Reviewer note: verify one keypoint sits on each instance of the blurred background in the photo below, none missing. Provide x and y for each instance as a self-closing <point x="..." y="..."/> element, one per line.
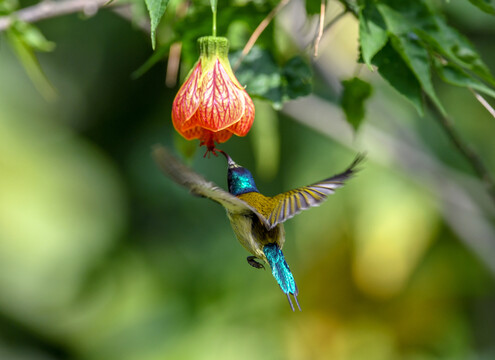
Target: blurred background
<point x="102" y="257"/>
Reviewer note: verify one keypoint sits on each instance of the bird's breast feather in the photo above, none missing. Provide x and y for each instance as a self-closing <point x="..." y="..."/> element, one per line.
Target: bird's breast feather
<point x="263" y="204"/>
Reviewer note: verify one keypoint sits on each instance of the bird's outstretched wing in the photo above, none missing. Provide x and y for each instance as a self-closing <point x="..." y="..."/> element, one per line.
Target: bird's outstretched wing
<point x="198" y="185"/>
<point x="290" y="203"/>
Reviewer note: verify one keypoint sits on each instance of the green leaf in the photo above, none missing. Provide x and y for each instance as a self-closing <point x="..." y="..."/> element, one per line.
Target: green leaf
<point x="356" y="92"/>
<point x="456" y="48"/>
<point x="395" y="71"/>
<point x="401" y="20"/>
<point x="265" y="79"/>
<point x="454" y="75"/>
<point x="156" y="8"/>
<point x="415" y="17"/>
<point x="403" y="17"/>
<point x="157" y="56"/>
<point x="417" y="59"/>
<point x="372" y="31"/>
<point x="30" y="62"/>
<point x="297" y="78"/>
<point x="32" y="37"/>
<point x="350" y="5"/>
<point x="484" y="5"/>
<point x="260" y="75"/>
<point x="313" y="7"/>
<point x="419" y="34"/>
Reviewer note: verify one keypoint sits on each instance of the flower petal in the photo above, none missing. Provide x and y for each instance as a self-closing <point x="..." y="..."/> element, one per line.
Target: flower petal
<point x="194" y="133"/>
<point x="226" y="66"/>
<point x="242" y="127"/>
<point x="191" y="123"/>
<point x="222" y="103"/>
<point x="222" y="136"/>
<point x="206" y="136"/>
<point x="187" y="100"/>
<point x="209" y="138"/>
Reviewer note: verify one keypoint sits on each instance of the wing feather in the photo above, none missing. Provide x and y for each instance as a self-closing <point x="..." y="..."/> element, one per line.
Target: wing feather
<point x="292" y="202"/>
<point x="198" y="185"/>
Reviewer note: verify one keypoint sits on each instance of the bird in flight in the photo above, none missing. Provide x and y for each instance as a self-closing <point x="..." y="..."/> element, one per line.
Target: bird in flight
<point x="257" y="220"/>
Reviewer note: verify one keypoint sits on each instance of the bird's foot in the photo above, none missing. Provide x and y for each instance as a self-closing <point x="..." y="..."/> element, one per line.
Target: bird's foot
<point x="252" y="261"/>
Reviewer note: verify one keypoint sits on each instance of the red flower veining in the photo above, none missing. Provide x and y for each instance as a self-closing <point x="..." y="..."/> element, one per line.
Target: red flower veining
<point x="211" y="105"/>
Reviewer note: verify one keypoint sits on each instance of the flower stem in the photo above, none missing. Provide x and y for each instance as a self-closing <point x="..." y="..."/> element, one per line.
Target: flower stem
<point x="257" y="32"/>
<point x="214" y="11"/>
<point x="214" y="24"/>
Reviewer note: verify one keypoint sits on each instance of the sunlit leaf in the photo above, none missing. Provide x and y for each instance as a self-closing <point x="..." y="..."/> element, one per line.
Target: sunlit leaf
<point x="454" y="75"/>
<point x="156" y="9"/>
<point x="32" y="37"/>
<point x="372" y="31"/>
<point x="406" y="18"/>
<point x="418" y="34"/>
<point x="395" y="71"/>
<point x="356" y="92"/>
<point x="455" y="47"/>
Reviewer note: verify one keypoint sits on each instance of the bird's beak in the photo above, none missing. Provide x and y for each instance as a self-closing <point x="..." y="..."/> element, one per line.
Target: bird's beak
<point x="231" y="162"/>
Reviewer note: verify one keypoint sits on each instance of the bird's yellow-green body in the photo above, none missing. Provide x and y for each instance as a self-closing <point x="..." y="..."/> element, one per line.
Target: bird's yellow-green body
<point x="257" y="220"/>
<point x="260" y="202"/>
<point x="251" y="232"/>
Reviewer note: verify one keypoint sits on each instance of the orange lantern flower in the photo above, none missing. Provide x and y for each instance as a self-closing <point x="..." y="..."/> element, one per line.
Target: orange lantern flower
<point x="211" y="105"/>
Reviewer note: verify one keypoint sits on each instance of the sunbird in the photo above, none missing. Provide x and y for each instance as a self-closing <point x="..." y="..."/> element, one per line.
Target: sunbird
<point x="257" y="220"/>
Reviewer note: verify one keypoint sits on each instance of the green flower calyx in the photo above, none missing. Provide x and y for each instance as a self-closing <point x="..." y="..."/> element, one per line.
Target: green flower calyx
<point x="212" y="48"/>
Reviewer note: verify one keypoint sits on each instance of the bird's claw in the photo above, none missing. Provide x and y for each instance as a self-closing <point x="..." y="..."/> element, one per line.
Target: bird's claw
<point x="252" y="261"/>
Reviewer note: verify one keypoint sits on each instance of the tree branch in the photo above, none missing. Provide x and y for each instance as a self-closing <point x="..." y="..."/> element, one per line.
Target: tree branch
<point x="320" y="27"/>
<point x="257" y="32"/>
<point x="483" y="102"/>
<point x="49" y="9"/>
<point x="323" y="30"/>
<point x="469" y="154"/>
<point x="125" y="12"/>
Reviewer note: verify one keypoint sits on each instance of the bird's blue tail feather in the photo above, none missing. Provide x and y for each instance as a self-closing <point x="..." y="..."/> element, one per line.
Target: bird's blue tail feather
<point x="281" y="272"/>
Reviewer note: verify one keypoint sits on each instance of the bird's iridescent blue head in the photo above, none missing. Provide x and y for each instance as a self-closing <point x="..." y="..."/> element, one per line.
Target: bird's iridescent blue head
<point x="240" y="180"/>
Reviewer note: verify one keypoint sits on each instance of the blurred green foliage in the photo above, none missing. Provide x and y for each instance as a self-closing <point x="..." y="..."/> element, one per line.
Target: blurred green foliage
<point x="354" y="95"/>
<point x="25" y="40"/>
<point x="101" y="257"/>
<point x="266" y="80"/>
